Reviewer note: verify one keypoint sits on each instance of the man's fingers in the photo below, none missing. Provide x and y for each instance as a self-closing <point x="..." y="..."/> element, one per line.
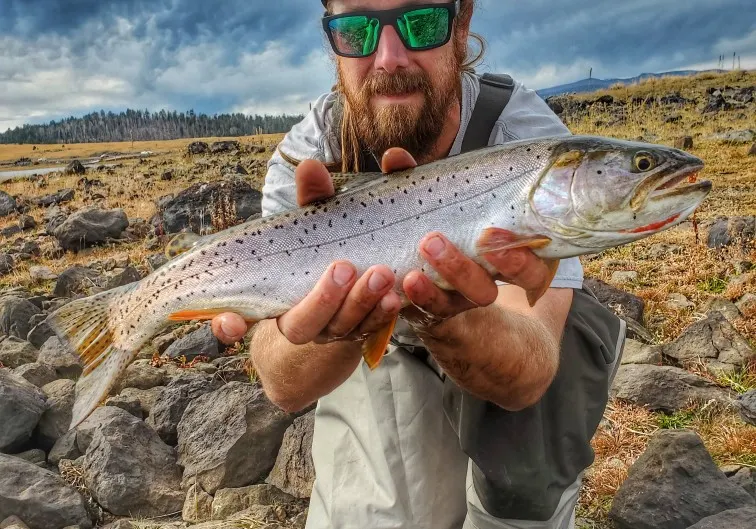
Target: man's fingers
<point x="229" y="327"/>
<point x="464" y="274"/>
<point x="396" y="159"/>
<point x="361" y="300"/>
<point x="521" y="267"/>
<point x="303" y="322"/>
<point x="313" y="182"/>
<point x="381" y="315"/>
<point x="424" y="294"/>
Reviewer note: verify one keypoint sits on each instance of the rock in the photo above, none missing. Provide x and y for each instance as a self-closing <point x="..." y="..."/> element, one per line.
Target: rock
<point x="75" y="167"/>
<point x="56" y="355"/>
<point x="138" y="402"/>
<point x="130" y="471"/>
<point x="733" y="230"/>
<point x="36" y="373"/>
<point x="201" y="206"/>
<point x="674" y="118"/>
<point x="54" y="217"/>
<point x="723" y="305"/>
<point x="56" y="419"/>
<point x="294" y="472"/>
<point x="676" y="300"/>
<point x="752" y="150"/>
<point x="172" y="401"/>
<point x="620" y="302"/>
<point x="714" y="341"/>
<point x="639" y="353"/>
<point x="224" y="146"/>
<point x="198" y="505"/>
<point x="15" y="313"/>
<point x="124" y="277"/>
<point x="123" y="523"/>
<point x="35" y="456"/>
<point x="13" y="522"/>
<point x="42" y="273"/>
<point x="64" y="448"/>
<point x="15" y="352"/>
<point x="89" y="227"/>
<point x="743" y="518"/>
<point x="40" y="333"/>
<point x="735" y="136"/>
<point x="7" y="204"/>
<point x="141" y="375"/>
<point x="64" y="195"/>
<point x="746" y="404"/>
<point x="663" y="388"/>
<point x="746" y="478"/>
<point x="39" y="497"/>
<point x="156" y="261"/>
<point x="245" y="430"/>
<point x="77" y="280"/>
<point x="624" y="276"/>
<point x="230" y="501"/>
<point x="684" y="142"/>
<point x="162" y="341"/>
<point x="747" y="305"/>
<point x="21" y="406"/>
<point x="197" y="147"/>
<point x="201" y="342"/>
<point x="674" y="484"/>
<point x="6" y="263"/>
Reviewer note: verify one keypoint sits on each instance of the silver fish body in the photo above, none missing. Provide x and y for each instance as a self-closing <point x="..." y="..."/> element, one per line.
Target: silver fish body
<point x="562" y="196"/>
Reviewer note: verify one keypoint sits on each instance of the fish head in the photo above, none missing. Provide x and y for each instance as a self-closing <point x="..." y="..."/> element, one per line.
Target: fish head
<point x="603" y="192"/>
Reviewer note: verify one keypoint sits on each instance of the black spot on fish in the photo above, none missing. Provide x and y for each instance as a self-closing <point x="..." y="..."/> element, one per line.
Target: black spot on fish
<point x="512" y="207"/>
<point x="405" y="191"/>
<point x="271" y="241"/>
<point x="345" y="215"/>
<point x="330" y="223"/>
<point x="380" y="201"/>
<point x="421" y="202"/>
<point x="392" y="201"/>
<point x="430" y="190"/>
<point x="599" y="171"/>
<point x="362" y="222"/>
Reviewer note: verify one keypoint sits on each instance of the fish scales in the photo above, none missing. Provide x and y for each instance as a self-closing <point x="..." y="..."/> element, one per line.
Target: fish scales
<point x="544" y="192"/>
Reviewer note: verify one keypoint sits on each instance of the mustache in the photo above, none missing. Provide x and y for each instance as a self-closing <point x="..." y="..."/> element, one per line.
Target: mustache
<point x="394" y="84"/>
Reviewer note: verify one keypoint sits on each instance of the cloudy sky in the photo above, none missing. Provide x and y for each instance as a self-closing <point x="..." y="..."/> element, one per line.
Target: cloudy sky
<point x="68" y="57"/>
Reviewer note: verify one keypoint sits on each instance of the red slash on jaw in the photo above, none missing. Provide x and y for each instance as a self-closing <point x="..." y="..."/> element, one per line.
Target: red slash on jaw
<point x="652" y="226"/>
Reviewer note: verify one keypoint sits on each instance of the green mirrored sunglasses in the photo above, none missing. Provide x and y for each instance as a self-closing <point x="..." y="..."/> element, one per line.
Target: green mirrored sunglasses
<point x="420" y="27"/>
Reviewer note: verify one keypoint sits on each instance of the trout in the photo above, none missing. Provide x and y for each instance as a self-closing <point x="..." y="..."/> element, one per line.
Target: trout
<point x="559" y="196"/>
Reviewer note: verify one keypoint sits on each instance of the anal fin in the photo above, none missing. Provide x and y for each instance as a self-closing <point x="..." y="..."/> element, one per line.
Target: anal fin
<point x="375" y="346"/>
<point x="535" y="294"/>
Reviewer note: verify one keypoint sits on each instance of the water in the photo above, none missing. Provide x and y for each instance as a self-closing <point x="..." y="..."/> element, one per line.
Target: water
<point x="7" y="175"/>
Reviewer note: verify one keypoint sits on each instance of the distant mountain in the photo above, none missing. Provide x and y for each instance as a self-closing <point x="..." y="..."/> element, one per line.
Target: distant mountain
<point x="592" y="85"/>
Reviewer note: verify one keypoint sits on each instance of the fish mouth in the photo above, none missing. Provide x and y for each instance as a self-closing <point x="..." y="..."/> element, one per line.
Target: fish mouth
<point x="680" y="183"/>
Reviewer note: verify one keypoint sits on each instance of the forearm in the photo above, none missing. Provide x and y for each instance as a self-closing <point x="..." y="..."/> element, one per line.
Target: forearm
<point x="293" y="376"/>
<point x="497" y="354"/>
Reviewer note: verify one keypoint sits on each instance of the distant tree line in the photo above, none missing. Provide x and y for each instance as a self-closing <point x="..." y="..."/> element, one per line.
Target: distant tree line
<point x="139" y="125"/>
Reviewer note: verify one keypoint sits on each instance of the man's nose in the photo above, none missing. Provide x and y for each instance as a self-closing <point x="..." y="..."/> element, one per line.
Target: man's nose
<point x="391" y="53"/>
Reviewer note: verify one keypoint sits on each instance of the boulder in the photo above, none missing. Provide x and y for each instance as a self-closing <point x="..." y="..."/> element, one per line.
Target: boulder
<point x="21" y="406"/>
<point x="294" y="472"/>
<point x="89" y="227"/>
<point x="39" y="497"/>
<point x="36" y="373"/>
<point x="245" y="430"/>
<point x="674" y="484"/>
<point x="172" y="401"/>
<point x="620" y="302"/>
<point x="231" y="501"/>
<point x="201" y="342"/>
<point x="664" y="388"/>
<point x="57" y="356"/>
<point x="15" y="313"/>
<point x="744" y="518"/>
<point x="714" y="341"/>
<point x="56" y="419"/>
<point x="130" y="471"/>
<point x="746" y="404"/>
<point x="77" y="280"/>
<point x="726" y="231"/>
<point x="15" y="352"/>
<point x="198" y="505"/>
<point x="7" y="204"/>
<point x="138" y="402"/>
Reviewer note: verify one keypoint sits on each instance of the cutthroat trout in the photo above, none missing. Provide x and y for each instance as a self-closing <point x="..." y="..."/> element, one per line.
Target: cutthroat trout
<point x="560" y="196"/>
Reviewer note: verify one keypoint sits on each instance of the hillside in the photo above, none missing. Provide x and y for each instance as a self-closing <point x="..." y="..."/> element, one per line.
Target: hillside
<point x="678" y="438"/>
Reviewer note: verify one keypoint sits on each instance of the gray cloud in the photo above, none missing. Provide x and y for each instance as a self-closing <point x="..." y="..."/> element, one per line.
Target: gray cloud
<point x="62" y="58"/>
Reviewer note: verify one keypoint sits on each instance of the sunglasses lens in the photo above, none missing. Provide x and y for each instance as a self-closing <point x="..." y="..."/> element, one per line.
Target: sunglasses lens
<point x="423" y="28"/>
<point x="355" y="36"/>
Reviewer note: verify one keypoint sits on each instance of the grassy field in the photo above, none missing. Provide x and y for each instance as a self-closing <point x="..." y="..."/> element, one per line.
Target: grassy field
<point x="691" y="268"/>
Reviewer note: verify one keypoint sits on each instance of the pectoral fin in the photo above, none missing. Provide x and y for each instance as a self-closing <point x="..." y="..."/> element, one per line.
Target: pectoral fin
<point x="374" y="347"/>
<point x="498" y="239"/>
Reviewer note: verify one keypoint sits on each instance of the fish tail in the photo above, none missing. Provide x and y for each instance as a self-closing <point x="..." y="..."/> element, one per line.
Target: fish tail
<point x="84" y="328"/>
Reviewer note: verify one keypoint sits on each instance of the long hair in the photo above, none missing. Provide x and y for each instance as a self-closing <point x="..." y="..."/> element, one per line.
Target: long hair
<point x="351" y="151"/>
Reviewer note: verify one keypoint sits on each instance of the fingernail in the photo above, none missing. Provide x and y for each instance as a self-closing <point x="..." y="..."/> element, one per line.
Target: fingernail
<point x="377" y="282"/>
<point x="342" y="274"/>
<point x="228" y="329"/>
<point x="435" y="247"/>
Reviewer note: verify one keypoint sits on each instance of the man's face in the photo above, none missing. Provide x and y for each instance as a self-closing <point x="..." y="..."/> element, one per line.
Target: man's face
<point x="399" y="97"/>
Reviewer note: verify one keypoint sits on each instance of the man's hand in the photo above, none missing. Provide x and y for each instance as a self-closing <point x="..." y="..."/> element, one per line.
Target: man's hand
<point x="341" y="305"/>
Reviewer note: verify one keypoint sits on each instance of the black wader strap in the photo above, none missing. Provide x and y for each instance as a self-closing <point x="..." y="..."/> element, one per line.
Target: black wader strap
<point x="495" y="92"/>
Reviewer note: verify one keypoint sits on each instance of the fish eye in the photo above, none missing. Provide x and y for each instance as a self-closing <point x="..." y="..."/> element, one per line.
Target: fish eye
<point x="644" y="162"/>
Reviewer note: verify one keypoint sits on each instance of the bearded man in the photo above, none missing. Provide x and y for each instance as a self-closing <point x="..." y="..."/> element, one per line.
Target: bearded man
<point x="481" y="413"/>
